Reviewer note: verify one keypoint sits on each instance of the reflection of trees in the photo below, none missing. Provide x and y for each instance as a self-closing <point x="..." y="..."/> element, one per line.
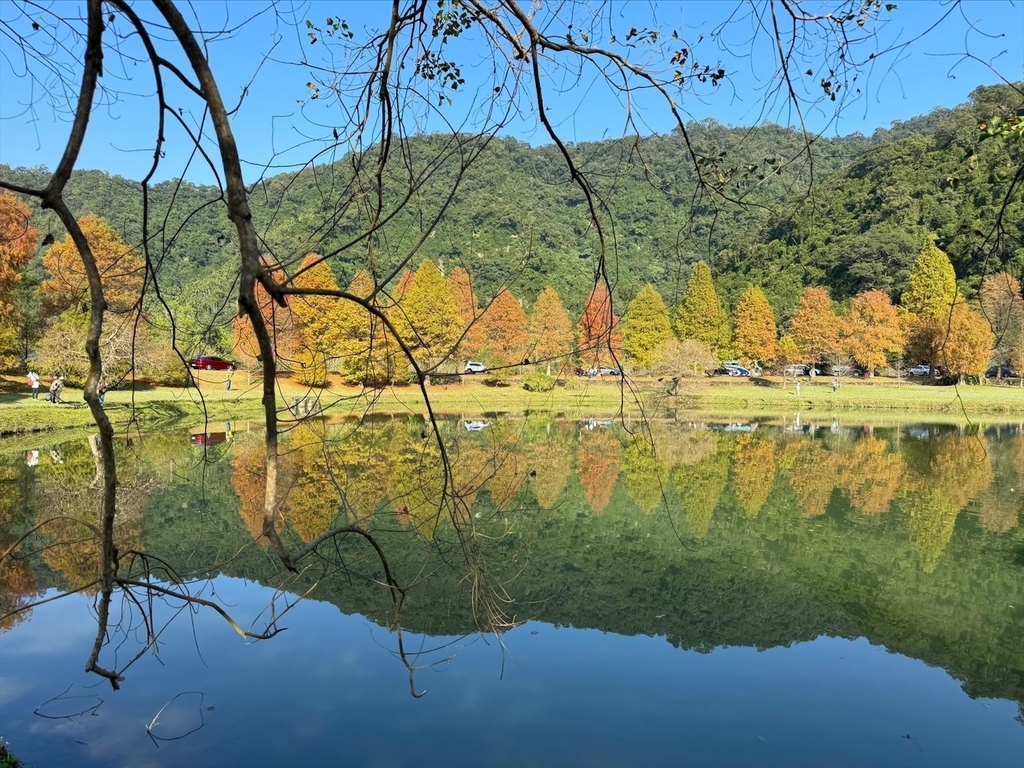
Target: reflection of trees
<point x="644" y="473"/>
<point x="416" y="484"/>
<point x="17" y="579"/>
<point x="812" y="473"/>
<point x="753" y="472"/>
<point x="18" y="586"/>
<point x="551" y="464"/>
<point x="700" y="486"/>
<point x="248" y="479"/>
<point x="507" y="469"/>
<point x="870" y="475"/>
<point x="597" y="461"/>
<point x="960" y="468"/>
<point x="63" y="490"/>
<point x="312" y="503"/>
<point x="999" y="509"/>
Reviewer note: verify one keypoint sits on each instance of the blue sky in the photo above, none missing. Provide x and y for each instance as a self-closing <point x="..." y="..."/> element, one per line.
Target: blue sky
<point x="278" y="126"/>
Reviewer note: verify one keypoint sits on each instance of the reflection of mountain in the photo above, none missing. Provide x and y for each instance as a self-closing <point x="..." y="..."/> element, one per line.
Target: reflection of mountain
<point x="924" y="579"/>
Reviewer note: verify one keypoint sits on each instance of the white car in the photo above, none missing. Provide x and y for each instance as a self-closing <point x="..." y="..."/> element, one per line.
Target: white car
<point x="919" y="370"/>
<point x="472" y="366"/>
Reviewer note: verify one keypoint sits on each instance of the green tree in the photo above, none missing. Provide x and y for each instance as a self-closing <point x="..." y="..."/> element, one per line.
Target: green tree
<point x="754" y="337"/>
<point x="700" y="486"/>
<point x="701" y="316"/>
<point x="550" y="330"/>
<point x="432" y="314"/>
<point x="645" y="327"/>
<point x="932" y="287"/>
<point x="367" y="351"/>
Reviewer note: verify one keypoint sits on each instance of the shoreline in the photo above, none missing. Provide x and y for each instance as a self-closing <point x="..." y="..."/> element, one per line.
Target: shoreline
<point x="148" y="408"/>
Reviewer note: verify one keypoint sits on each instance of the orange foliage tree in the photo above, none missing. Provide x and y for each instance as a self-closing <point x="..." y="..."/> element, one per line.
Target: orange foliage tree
<point x="968" y="342"/>
<point x="872" y="330"/>
<point x="120" y="266"/>
<point x="600" y="334"/>
<point x="598" y="460"/>
<point x="812" y="474"/>
<point x="280" y="321"/>
<point x="871" y="474"/>
<point x="550" y="330"/>
<point x="551" y="465"/>
<point x="753" y="472"/>
<point x="18" y="241"/>
<point x="815" y="327"/>
<point x="504" y="328"/>
<point x="461" y="286"/>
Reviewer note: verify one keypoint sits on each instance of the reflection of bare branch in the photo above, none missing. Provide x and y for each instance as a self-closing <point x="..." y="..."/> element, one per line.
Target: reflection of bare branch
<point x="156" y="718"/>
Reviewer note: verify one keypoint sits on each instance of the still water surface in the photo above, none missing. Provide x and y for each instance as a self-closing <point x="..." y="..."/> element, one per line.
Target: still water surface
<point x="741" y="594"/>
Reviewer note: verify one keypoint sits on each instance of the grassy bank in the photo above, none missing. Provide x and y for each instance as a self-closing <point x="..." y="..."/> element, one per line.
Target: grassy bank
<point x="151" y="407"/>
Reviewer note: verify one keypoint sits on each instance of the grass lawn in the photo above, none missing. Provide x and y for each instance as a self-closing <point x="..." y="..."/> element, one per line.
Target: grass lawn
<point x="153" y="407"/>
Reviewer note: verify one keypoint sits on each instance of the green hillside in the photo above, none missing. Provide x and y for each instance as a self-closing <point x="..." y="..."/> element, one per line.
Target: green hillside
<point x="850" y="213"/>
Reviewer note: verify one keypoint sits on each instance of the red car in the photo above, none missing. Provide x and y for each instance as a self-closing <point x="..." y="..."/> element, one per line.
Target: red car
<point x="208" y="438"/>
<point x="210" y="363"/>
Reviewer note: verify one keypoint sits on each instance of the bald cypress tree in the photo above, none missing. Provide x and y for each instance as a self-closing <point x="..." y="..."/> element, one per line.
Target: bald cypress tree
<point x="646" y="327"/>
<point x="701" y="316"/>
<point x="756" y="332"/>
<point x="932" y="286"/>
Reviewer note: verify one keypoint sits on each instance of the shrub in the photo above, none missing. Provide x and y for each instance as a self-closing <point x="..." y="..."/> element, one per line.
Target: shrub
<point x="539" y="382"/>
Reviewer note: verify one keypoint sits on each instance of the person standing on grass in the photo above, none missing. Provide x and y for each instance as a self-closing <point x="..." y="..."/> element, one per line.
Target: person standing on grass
<point x="33" y="382"/>
<point x="227" y="381"/>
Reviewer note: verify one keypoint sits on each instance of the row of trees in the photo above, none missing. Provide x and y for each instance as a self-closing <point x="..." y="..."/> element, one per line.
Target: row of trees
<point x="429" y="320"/>
<point x="933" y="325"/>
<point x="440" y="321"/>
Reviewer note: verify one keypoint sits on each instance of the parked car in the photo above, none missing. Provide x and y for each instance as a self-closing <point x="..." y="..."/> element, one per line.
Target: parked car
<point x="1003" y="371"/>
<point x="734" y="369"/>
<point x="844" y="370"/>
<point x="919" y="370"/>
<point x="208" y="438"/>
<point x="472" y="366"/>
<point x="609" y="372"/>
<point x="211" y="363"/>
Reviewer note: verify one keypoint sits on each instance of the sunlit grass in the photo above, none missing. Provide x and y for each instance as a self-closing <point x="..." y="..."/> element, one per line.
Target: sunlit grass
<point x="151" y="406"/>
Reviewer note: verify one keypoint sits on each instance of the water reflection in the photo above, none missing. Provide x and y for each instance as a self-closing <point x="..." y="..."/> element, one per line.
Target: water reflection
<point x="709" y="533"/>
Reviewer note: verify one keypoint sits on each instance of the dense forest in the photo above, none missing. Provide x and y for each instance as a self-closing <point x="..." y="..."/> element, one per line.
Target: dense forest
<point x="849" y="214"/>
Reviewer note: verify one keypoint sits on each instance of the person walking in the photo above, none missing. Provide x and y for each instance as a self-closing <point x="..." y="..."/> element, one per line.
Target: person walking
<point x="33" y="382"/>
<point x="56" y="387"/>
<point x="101" y="390"/>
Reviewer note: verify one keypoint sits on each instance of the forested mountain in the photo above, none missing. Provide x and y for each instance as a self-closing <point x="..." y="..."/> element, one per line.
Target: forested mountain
<point x="850" y="213"/>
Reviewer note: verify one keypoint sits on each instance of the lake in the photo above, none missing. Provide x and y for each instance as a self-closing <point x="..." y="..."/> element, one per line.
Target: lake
<point x="800" y="591"/>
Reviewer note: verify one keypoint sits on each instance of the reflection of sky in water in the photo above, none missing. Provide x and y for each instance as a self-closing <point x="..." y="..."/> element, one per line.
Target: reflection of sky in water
<point x="329" y="691"/>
